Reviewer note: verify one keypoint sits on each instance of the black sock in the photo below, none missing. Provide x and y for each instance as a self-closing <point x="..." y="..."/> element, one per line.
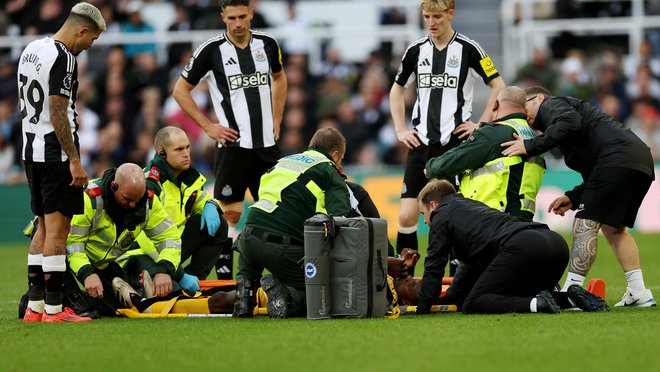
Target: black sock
<point x="54" y="287"/>
<point x="406" y="241"/>
<point x="37" y="283"/>
<point x="225" y="265"/>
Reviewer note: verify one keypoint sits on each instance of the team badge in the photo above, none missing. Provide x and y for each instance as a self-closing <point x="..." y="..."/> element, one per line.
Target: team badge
<point x="227" y="191"/>
<point x="190" y="64"/>
<point x="67" y="81"/>
<point x="127" y="240"/>
<point x="453" y="62"/>
<point x="404" y="189"/>
<point x="260" y="56"/>
<point x="310" y="270"/>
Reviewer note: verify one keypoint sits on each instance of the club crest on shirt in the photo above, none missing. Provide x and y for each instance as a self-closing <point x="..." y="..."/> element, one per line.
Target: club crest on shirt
<point x="260" y="56"/>
<point x="227" y="191"/>
<point x="452" y="62"/>
<point x="67" y="81"/>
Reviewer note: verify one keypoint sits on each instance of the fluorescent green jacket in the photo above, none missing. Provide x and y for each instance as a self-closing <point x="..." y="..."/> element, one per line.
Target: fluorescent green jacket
<point x="96" y="240"/>
<point x="508" y="184"/>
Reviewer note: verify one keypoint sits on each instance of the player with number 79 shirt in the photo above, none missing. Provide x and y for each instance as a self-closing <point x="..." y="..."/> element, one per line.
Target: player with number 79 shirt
<point x="48" y="88"/>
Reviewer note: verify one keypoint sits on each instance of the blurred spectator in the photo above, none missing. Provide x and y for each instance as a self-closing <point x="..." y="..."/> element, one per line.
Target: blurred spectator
<point x="176" y="50"/>
<point x="8" y="85"/>
<point x="294" y="32"/>
<point x="136" y="24"/>
<point x="395" y="15"/>
<point x="575" y="80"/>
<point x="644" y="121"/>
<point x="539" y="71"/>
<point x="258" y="20"/>
<point x="644" y="85"/>
<point x="610" y="86"/>
<point x="644" y="56"/>
<point x="334" y="66"/>
<point x="48" y="19"/>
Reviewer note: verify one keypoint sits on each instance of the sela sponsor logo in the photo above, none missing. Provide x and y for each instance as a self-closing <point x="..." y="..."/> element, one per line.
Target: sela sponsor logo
<point x="434" y="81"/>
<point x="247" y="81"/>
<point x="488" y="66"/>
<point x="310" y="270"/>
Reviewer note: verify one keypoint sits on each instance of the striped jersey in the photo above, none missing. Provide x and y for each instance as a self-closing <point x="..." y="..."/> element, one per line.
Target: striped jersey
<point x="445" y="81"/>
<point x="240" y="86"/>
<point x="46" y="68"/>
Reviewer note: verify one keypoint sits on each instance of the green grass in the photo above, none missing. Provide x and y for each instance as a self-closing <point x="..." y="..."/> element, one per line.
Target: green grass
<point x="624" y="339"/>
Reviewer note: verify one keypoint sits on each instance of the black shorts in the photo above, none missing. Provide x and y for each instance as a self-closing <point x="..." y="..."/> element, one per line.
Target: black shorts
<point x="612" y="196"/>
<point x="414" y="179"/>
<point x="50" y="191"/>
<point x="238" y="169"/>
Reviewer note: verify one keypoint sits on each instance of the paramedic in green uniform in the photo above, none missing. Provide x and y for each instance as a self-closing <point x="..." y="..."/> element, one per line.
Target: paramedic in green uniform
<point x="508" y="184"/>
<point x="297" y="188"/>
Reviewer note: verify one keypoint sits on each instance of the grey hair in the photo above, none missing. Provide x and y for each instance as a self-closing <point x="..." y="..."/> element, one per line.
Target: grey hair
<point x="89" y="11"/>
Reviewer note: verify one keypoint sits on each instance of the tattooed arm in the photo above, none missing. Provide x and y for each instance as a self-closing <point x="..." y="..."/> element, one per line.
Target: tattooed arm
<point x="58" y="116"/>
<point x="585" y="245"/>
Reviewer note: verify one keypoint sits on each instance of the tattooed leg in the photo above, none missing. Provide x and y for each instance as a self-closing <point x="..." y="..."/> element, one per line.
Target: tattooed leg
<point x="585" y="245"/>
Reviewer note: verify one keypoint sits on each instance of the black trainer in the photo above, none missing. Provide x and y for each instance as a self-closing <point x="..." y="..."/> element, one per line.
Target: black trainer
<point x="586" y="300"/>
<point x="546" y="304"/>
<point x="279" y="297"/>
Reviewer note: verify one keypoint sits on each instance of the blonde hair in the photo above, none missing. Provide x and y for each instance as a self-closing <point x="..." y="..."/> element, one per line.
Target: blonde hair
<point x="88" y="13"/>
<point x="436" y="5"/>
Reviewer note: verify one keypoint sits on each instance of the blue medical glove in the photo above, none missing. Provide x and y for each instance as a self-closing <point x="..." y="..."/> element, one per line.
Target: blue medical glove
<point x="210" y="219"/>
<point x="190" y="283"/>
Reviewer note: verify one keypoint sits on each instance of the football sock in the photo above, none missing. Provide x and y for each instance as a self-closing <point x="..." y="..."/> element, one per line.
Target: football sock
<point x="572" y="278"/>
<point x="635" y="280"/>
<point x="37" y="283"/>
<point x="54" y="267"/>
<point x="406" y="238"/>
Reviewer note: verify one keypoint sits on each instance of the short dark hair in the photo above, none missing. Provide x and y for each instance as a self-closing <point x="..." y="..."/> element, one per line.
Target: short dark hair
<point x="226" y="3"/>
<point x="328" y="140"/>
<point x="531" y="91"/>
<point x="435" y="191"/>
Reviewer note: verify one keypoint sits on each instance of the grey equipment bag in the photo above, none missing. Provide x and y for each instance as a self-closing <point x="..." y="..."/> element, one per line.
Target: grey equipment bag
<point x="346" y="276"/>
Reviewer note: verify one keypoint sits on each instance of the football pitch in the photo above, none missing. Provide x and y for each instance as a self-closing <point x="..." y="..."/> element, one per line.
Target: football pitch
<point x="624" y="339"/>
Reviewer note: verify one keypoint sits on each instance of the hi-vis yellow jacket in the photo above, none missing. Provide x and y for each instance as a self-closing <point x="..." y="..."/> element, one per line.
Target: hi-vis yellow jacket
<point x="94" y="240"/>
<point x="508" y="184"/>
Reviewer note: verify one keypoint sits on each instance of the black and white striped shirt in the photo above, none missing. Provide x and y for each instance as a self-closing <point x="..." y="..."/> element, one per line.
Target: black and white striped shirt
<point x="240" y="85"/>
<point x="445" y="81"/>
<point x="46" y="68"/>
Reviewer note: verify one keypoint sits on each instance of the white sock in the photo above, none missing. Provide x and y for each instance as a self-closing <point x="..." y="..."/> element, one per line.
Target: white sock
<point x="53" y="309"/>
<point x="532" y="305"/>
<point x="635" y="280"/>
<point x="231" y="230"/>
<point x="36" y="306"/>
<point x="572" y="278"/>
<point x="407" y="230"/>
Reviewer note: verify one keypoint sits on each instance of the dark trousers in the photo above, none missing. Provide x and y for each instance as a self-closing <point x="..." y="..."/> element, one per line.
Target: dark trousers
<point x="530" y="261"/>
<point x="107" y="305"/>
<point x="284" y="261"/>
<point x="202" y="248"/>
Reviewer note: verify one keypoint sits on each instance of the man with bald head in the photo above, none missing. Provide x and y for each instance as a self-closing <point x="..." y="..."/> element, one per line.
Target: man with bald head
<point x="197" y="215"/>
<point x="117" y="210"/>
<point x="508" y="184"/>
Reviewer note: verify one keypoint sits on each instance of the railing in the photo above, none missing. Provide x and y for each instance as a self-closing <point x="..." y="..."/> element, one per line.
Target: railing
<point x="519" y="39"/>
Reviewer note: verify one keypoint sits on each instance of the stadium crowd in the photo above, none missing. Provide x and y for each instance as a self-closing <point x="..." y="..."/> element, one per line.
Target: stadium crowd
<point x="124" y="95"/>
